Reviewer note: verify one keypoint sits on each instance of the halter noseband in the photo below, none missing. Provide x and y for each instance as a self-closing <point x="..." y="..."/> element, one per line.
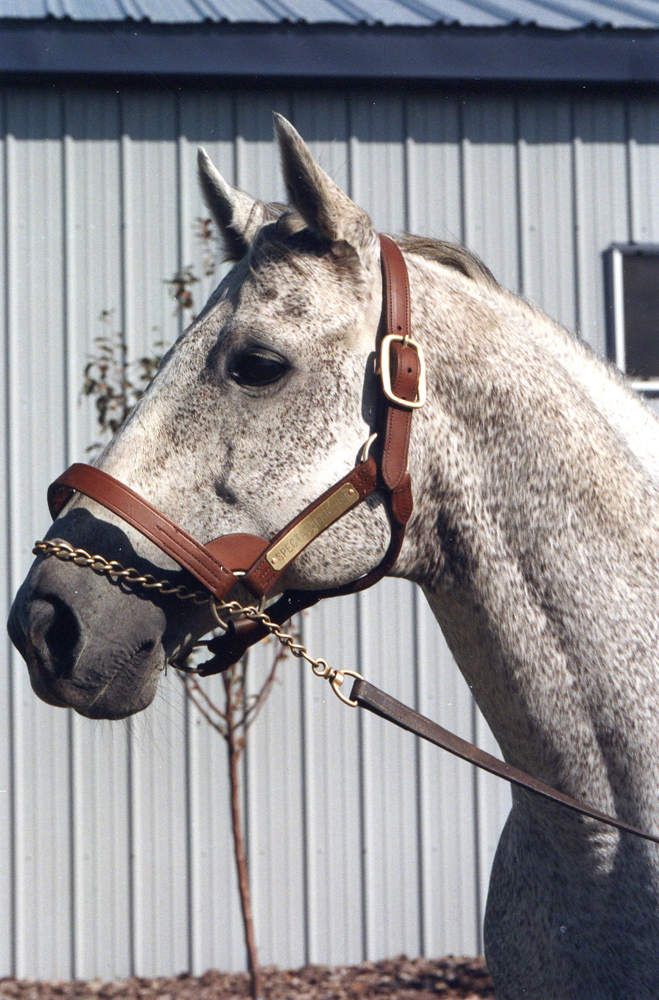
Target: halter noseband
<point x="256" y="563"/>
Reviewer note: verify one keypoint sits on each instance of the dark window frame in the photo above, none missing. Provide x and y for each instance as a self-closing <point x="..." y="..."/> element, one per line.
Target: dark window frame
<point x="615" y="307"/>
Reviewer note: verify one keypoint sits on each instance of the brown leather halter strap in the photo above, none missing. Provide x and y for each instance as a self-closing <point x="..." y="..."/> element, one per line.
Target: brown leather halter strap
<point x="140" y="514"/>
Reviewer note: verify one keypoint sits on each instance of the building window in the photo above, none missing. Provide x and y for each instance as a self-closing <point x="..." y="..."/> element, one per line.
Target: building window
<point x="632" y="290"/>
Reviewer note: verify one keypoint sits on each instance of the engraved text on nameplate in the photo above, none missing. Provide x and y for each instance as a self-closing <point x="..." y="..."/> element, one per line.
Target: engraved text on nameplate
<point x="310" y="526"/>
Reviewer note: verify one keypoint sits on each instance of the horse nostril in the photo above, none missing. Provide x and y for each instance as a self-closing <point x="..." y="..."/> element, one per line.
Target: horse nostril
<point x="55" y="632"/>
<point x="145" y="649"/>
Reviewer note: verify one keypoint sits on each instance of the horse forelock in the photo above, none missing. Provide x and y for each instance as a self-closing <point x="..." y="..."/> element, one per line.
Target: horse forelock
<point x="289" y="239"/>
<point x="288" y="244"/>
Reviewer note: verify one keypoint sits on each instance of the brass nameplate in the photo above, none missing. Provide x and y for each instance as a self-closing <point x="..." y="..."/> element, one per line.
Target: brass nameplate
<point x="310" y="526"/>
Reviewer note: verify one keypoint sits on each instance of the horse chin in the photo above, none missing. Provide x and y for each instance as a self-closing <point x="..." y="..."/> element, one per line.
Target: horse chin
<point x="116" y="704"/>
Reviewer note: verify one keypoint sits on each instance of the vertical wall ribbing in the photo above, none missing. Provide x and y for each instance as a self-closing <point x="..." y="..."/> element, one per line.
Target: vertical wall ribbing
<point x="7" y="780"/>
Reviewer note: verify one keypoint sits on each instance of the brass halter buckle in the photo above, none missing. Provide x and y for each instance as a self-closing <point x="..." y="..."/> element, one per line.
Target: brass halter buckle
<point x="385" y="371"/>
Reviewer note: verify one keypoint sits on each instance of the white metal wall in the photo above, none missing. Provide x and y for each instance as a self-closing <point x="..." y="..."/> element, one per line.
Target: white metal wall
<point x="114" y="838"/>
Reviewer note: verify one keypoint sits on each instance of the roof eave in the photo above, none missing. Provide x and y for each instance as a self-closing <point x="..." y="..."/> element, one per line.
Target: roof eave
<point x="440" y="53"/>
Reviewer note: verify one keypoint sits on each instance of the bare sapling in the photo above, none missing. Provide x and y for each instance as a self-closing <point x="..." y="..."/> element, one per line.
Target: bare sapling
<point x="116" y="382"/>
<point x="232" y="720"/>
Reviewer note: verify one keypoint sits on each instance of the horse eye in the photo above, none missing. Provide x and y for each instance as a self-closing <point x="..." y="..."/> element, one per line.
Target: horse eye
<point x="255" y="368"/>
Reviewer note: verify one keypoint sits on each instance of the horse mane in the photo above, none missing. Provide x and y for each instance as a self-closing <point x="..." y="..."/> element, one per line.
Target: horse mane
<point x="450" y="255"/>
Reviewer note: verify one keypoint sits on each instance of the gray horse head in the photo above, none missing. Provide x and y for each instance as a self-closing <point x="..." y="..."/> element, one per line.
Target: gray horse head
<point x="262" y="404"/>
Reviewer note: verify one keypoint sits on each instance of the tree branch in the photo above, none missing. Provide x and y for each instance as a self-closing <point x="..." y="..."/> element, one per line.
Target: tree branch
<point x="192" y="689"/>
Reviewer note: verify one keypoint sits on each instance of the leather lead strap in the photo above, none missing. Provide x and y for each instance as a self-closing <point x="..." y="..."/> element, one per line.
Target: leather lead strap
<point x="374" y="700"/>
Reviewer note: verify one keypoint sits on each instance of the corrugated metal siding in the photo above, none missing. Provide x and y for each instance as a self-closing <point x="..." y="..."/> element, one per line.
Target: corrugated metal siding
<point x="115" y="837"/>
<point x="566" y="15"/>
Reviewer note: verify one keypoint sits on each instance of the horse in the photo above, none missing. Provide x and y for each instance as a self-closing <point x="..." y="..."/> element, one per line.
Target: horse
<point x="534" y="536"/>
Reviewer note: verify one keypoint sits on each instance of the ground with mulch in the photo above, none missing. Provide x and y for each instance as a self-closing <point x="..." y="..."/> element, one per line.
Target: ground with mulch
<point x="400" y="978"/>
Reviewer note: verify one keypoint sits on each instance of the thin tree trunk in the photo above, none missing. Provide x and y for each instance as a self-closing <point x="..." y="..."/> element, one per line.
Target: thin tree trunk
<point x="234" y="751"/>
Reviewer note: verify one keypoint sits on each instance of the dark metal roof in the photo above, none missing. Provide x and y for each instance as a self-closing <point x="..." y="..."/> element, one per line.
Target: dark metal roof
<point x="507" y="41"/>
<point x="554" y="14"/>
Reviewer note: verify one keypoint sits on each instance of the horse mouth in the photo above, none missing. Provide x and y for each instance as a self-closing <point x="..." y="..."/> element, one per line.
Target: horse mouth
<point x="102" y="689"/>
<point x="129" y="676"/>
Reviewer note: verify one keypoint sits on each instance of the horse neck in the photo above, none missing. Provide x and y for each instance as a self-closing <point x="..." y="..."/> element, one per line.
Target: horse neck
<point x="536" y="539"/>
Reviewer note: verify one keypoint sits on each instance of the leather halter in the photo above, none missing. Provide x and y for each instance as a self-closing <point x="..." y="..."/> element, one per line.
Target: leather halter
<point x="257" y="564"/>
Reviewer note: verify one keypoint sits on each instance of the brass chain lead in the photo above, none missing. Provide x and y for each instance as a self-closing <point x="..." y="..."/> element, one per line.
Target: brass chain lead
<point x="119" y="574"/>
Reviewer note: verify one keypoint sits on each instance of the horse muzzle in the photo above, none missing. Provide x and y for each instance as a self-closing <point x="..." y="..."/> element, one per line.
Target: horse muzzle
<point x="76" y="655"/>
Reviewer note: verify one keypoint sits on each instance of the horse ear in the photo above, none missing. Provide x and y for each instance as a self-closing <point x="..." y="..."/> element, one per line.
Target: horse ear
<point x="238" y="215"/>
<point x="323" y="206"/>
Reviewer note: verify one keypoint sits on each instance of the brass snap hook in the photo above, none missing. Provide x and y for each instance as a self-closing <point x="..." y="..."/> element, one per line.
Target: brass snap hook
<point x="337" y="680"/>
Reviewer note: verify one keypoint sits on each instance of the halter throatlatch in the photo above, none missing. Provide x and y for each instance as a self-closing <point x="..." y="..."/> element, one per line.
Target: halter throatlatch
<point x="256" y="563"/>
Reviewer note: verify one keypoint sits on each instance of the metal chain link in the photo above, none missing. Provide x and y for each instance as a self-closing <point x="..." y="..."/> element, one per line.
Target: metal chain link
<point x="233" y="609"/>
